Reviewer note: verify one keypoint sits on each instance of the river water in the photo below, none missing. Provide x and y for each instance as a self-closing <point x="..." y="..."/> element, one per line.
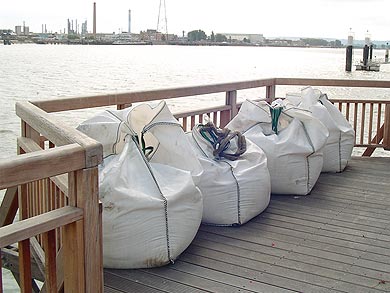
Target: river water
<point x="33" y="72"/>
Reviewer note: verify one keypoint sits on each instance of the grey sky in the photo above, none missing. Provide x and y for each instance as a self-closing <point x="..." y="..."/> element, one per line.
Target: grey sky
<point x="300" y="18"/>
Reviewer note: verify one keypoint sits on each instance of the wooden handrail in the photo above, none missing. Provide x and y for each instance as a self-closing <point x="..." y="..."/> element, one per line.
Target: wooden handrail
<point x="201" y="111"/>
<point x="56" y="105"/>
<point x="360" y="101"/>
<point x="41" y="164"/>
<point x="74" y="103"/>
<point x="59" y="133"/>
<point x="333" y="82"/>
<point x="39" y="224"/>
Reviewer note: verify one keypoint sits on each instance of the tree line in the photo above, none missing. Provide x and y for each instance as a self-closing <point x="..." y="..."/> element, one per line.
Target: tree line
<point x="199" y="35"/>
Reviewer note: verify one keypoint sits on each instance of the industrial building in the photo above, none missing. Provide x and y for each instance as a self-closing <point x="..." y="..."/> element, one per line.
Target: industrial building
<point x="253" y="38"/>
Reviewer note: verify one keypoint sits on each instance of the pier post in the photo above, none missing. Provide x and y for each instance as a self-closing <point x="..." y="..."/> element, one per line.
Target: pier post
<point x="348" y="63"/>
<point x="366" y="50"/>
<point x="371" y="50"/>
<point x="349" y="51"/>
<point x="387" y="53"/>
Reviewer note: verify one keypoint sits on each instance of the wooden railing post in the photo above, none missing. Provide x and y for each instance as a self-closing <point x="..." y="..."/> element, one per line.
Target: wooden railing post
<point x="231" y="100"/>
<point x="49" y="243"/>
<point x="24" y="246"/>
<point x="83" y="193"/>
<point x="123" y="106"/>
<point x="270" y="92"/>
<point x="386" y="133"/>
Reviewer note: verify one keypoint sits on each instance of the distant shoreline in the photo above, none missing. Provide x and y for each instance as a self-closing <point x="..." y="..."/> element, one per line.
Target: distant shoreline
<point x="181" y="43"/>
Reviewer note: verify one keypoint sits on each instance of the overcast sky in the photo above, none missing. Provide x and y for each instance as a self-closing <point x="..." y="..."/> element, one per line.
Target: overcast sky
<point x="272" y="18"/>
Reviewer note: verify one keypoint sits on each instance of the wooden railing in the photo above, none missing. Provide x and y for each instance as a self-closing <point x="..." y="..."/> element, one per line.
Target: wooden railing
<point x="54" y="179"/>
<point x="370" y="120"/>
<point x="54" y="184"/>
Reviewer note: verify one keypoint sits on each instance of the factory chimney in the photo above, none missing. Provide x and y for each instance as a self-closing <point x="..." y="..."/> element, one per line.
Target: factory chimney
<point x="129" y="30"/>
<point x="94" y="19"/>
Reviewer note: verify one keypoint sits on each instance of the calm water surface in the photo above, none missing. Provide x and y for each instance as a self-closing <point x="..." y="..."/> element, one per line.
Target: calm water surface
<point x="33" y="72"/>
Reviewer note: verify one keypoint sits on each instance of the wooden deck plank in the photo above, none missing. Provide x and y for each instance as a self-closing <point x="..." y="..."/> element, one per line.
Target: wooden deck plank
<point x="337" y="239"/>
<point x="328" y="214"/>
<point x="316" y="276"/>
<point x="310" y="218"/>
<point x="296" y="253"/>
<point x="329" y="205"/>
<point x="340" y="234"/>
<point x="115" y="282"/>
<point x="200" y="277"/>
<point x="247" y="280"/>
<point x="355" y="231"/>
<point x="154" y="280"/>
<point x="326" y="251"/>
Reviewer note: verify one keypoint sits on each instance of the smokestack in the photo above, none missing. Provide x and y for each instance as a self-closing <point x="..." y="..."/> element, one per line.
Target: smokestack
<point x="129" y="30"/>
<point x="94" y="19"/>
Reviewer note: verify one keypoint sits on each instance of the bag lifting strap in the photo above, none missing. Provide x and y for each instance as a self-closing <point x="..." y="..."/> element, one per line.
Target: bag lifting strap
<point x="220" y="140"/>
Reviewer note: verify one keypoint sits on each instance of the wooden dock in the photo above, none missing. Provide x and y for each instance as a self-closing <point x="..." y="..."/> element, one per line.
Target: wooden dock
<point x="337" y="239"/>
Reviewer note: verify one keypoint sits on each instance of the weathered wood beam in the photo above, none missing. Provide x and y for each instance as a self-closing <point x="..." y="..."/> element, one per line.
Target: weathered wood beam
<point x="38" y="255"/>
<point x="56" y="105"/>
<point x="11" y="262"/>
<point x="49" y="244"/>
<point x="377" y="138"/>
<point x="201" y="111"/>
<point x="34" y="286"/>
<point x="83" y="193"/>
<point x="24" y="261"/>
<point x="40" y="164"/>
<point x="231" y="101"/>
<point x="9" y="206"/>
<point x="386" y="130"/>
<point x="30" y="227"/>
<point x="333" y="82"/>
<point x="59" y="133"/>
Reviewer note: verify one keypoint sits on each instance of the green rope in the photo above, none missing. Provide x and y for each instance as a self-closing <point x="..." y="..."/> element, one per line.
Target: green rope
<point x="275" y="113"/>
<point x="146" y="150"/>
<point x="220" y="140"/>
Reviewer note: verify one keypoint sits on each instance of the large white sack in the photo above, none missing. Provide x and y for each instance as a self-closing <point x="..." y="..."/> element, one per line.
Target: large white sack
<point x="339" y="146"/>
<point x="234" y="191"/>
<point x="151" y="206"/>
<point x="105" y="127"/>
<point x="294" y="154"/>
<point x="168" y="142"/>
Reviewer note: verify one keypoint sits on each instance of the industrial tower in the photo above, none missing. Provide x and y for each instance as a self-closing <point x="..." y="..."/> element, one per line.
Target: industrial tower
<point x="162" y="24"/>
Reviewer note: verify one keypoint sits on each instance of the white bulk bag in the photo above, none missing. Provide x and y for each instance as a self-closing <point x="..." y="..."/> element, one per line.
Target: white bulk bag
<point x="234" y="191"/>
<point x="151" y="206"/>
<point x="338" y="149"/>
<point x="105" y="127"/>
<point x="294" y="154"/>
